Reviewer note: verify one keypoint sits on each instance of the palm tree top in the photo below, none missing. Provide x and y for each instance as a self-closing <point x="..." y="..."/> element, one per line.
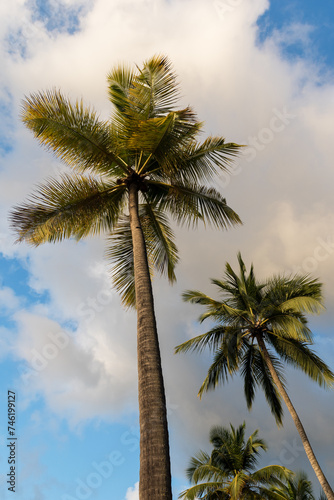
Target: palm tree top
<point x="230" y="471"/>
<point x="148" y="145"/>
<point x="250" y="311"/>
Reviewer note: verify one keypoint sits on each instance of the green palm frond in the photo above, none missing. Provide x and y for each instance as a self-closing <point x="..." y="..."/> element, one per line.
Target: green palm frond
<point x="197" y="297"/>
<point x="237" y="485"/>
<point x="255" y="372"/>
<point x="70" y="206"/>
<point x="264" y="379"/>
<point x="120" y="80"/>
<point x="289" y="325"/>
<point x="293" y="487"/>
<point x="166" y="138"/>
<point x="211" y="339"/>
<point x="202" y="468"/>
<point x="208" y="490"/>
<point x="120" y="255"/>
<point x="155" y="90"/>
<point x="202" y="162"/>
<point x="215" y="309"/>
<point x="224" y="365"/>
<point x="189" y="203"/>
<point x="160" y="246"/>
<point x="299" y="355"/>
<point x="247" y="372"/>
<point x="159" y="239"/>
<point x="73" y="132"/>
<point x="272" y="474"/>
<point x="142" y="95"/>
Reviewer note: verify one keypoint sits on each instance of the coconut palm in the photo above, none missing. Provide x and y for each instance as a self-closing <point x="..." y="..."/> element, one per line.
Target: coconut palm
<point x="127" y="176"/>
<point x="259" y="325"/>
<point x="296" y="487"/>
<point x="229" y="472"/>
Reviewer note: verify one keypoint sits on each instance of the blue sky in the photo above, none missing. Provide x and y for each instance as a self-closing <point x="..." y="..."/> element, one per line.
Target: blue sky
<point x="259" y="73"/>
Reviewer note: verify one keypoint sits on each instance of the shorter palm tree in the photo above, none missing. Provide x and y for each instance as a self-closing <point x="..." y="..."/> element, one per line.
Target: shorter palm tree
<point x="296" y="487"/>
<point x="259" y="325"/>
<point x="230" y="471"/>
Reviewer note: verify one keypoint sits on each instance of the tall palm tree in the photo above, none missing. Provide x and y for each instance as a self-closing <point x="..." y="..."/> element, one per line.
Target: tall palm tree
<point x="128" y="175"/>
<point x="296" y="487"/>
<point x="261" y="324"/>
<point x="229" y="472"/>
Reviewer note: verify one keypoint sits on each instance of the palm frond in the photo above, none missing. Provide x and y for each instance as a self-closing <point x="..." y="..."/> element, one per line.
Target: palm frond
<point x="201" y="162"/>
<point x="120" y="255"/>
<point x="159" y="239"/>
<point x="156" y="90"/>
<point x="208" y="490"/>
<point x="202" y="468"/>
<point x="225" y="363"/>
<point x="247" y="373"/>
<point x="299" y="355"/>
<point x="288" y="325"/>
<point x="211" y="339"/>
<point x="120" y="81"/>
<point x="189" y="203"/>
<point x="166" y="138"/>
<point x="272" y="474"/>
<point x="73" y="206"/>
<point x="73" y="132"/>
<point x="265" y="380"/>
<point x="160" y="246"/>
<point x="237" y="485"/>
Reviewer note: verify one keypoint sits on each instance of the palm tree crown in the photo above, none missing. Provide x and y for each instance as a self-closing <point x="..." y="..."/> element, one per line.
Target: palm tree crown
<point x="129" y="175"/>
<point x="296" y="487"/>
<point x="147" y="144"/>
<point x="251" y="311"/>
<point x="261" y="324"/>
<point x="229" y="472"/>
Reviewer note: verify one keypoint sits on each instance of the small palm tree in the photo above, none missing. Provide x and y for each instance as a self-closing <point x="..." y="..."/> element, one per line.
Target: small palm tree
<point x="229" y="472"/>
<point x="128" y="176"/>
<point x="261" y="324"/>
<point x="296" y="487"/>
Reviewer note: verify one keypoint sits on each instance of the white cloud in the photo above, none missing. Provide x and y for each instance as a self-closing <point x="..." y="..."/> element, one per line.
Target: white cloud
<point x="132" y="493"/>
<point x="8" y="300"/>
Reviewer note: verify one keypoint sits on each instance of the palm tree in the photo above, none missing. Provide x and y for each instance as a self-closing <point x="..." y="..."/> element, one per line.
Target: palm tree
<point x="261" y="324"/>
<point x="229" y="472"/>
<point x="296" y="487"/>
<point x="128" y="175"/>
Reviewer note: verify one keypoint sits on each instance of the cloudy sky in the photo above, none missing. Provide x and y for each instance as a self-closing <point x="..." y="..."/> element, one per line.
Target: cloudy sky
<point x="257" y="72"/>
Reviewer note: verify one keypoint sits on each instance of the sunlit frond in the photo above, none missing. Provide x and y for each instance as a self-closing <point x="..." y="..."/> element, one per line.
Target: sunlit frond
<point x="72" y="132"/>
<point x="120" y="81"/>
<point x="201" y="162"/>
<point x="73" y="206"/>
<point x="188" y="204"/>
<point x="155" y="90"/>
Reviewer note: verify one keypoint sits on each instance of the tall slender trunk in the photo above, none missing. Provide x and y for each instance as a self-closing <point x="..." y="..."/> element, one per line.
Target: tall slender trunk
<point x="155" y="476"/>
<point x="307" y="446"/>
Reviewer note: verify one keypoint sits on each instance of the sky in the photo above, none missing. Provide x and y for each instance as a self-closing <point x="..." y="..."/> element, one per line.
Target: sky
<point x="259" y="73"/>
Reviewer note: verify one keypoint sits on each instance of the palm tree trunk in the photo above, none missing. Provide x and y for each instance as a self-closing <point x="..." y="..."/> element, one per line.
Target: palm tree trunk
<point x="307" y="446"/>
<point x="155" y="476"/>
